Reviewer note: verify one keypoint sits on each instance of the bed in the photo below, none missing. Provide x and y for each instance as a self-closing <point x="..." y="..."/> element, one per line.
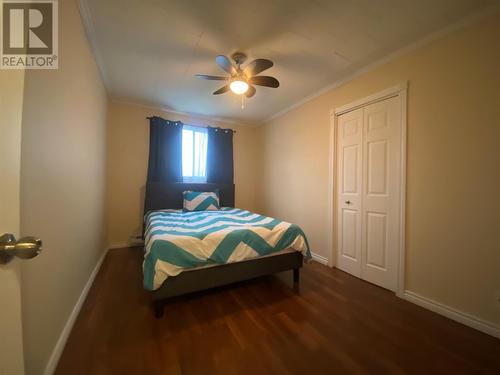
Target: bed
<point x="187" y="252"/>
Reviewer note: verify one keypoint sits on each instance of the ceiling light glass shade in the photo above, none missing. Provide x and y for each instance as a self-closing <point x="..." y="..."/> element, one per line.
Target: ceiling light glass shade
<point x="239" y="87"/>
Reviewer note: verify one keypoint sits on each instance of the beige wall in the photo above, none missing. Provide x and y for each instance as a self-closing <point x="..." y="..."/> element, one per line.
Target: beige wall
<point x="452" y="240"/>
<point x="62" y="186"/>
<point x="128" y="148"/>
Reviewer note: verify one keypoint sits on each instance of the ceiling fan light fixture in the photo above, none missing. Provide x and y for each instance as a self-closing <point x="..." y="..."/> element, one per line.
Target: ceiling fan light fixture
<point x="242" y="81"/>
<point x="239" y="87"/>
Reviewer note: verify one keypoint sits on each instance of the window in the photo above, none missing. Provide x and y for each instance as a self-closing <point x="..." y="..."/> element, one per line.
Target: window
<point x="194" y="154"/>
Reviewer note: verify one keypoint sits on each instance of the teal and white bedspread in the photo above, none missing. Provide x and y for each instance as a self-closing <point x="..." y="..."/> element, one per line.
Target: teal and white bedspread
<point x="176" y="241"/>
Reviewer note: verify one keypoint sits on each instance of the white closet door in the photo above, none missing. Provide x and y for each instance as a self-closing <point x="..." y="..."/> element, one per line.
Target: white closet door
<point x="369" y="168"/>
<point x="350" y="136"/>
<point x="381" y="192"/>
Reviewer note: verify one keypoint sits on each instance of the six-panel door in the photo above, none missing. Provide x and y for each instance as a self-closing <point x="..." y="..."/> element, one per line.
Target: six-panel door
<point x="350" y="135"/>
<point x="369" y="157"/>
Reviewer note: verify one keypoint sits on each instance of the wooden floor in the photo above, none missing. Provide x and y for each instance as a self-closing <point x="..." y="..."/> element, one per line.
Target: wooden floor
<point x="331" y="323"/>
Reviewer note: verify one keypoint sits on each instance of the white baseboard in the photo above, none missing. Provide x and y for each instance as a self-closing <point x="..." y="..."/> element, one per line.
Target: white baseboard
<point x="61" y="342"/>
<point x="319" y="258"/>
<point x="454" y="314"/>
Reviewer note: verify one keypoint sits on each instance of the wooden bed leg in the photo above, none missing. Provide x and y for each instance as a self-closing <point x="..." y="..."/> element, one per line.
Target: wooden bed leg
<point x="296" y="275"/>
<point x="158" y="307"/>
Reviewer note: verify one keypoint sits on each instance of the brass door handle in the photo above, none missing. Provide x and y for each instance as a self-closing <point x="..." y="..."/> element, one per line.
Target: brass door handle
<point x="25" y="248"/>
<point x="347" y="202"/>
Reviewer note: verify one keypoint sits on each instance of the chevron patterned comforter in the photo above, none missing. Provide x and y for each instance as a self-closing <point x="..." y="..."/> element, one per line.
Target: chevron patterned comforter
<point x="176" y="241"/>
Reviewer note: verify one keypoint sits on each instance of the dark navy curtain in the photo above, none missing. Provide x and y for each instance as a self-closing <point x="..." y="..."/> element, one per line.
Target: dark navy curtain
<point x="165" y="150"/>
<point x="220" y="156"/>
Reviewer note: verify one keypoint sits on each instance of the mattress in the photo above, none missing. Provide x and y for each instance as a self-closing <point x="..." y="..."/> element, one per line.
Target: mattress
<point x="177" y="241"/>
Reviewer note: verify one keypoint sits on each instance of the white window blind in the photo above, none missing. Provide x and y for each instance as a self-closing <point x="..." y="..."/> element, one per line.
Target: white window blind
<point x="194" y="154"/>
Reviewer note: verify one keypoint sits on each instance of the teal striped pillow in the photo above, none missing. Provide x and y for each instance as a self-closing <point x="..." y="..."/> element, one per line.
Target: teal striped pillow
<point x="201" y="201"/>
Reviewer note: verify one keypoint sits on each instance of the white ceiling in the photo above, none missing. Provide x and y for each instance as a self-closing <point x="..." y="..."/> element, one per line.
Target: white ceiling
<point x="149" y="51"/>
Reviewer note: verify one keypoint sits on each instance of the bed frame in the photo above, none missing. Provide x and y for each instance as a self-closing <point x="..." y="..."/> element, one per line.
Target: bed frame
<point x="161" y="195"/>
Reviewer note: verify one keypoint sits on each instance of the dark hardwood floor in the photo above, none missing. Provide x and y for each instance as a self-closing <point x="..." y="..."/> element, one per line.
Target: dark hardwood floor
<point x="331" y="323"/>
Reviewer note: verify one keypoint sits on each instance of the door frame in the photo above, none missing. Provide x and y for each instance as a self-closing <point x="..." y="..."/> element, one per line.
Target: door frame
<point x="401" y="91"/>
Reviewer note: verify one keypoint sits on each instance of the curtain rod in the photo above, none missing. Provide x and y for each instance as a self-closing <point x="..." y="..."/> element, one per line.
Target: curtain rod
<point x="194" y="126"/>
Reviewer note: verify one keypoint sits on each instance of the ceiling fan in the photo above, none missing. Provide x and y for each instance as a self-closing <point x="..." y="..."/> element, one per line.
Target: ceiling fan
<point x="241" y="80"/>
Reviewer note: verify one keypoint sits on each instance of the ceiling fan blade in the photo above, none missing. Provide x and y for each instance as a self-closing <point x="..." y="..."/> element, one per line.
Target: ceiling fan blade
<point x="257" y="66"/>
<point x="222" y="90"/>
<point x="264" y="81"/>
<point x="250" y="92"/>
<point x="213" y="78"/>
<point x="225" y="64"/>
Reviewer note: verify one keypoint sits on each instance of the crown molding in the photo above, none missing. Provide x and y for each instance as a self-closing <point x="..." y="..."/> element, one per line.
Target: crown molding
<point x="461" y="24"/>
<point x="209" y="119"/>
<point x="88" y="25"/>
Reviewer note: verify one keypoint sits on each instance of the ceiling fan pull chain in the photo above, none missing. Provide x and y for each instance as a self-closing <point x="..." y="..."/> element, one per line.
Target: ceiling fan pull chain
<point x="242" y="101"/>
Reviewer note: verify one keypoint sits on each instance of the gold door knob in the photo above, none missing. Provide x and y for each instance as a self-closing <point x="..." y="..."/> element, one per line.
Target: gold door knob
<point x="25" y="248"/>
